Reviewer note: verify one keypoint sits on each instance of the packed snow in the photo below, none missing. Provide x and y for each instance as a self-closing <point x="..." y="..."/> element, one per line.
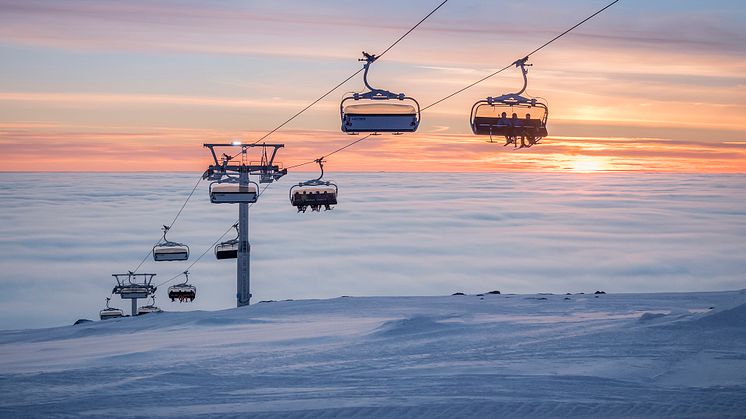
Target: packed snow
<point x="492" y="355"/>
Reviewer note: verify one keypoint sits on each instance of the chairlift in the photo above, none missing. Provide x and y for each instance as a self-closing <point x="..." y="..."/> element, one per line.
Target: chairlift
<point x="487" y="115"/>
<point x="314" y="193"/>
<point x="110" y="312"/>
<point x="376" y="113"/>
<point x="229" y="191"/>
<point x="166" y="250"/>
<point x="229" y="248"/>
<point x="182" y="292"/>
<point x="150" y="308"/>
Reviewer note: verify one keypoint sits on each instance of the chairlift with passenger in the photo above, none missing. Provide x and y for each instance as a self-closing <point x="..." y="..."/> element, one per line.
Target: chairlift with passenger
<point x="166" y="250"/>
<point x="373" y="110"/>
<point x="487" y="115"/>
<point x="314" y="193"/>
<point x="183" y="291"/>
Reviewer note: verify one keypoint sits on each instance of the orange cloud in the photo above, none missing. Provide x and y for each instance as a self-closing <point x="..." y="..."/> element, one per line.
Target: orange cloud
<point x="66" y="148"/>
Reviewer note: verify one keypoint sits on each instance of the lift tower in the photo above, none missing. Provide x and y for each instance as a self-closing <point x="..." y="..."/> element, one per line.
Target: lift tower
<point x="231" y="184"/>
<point x="134" y="287"/>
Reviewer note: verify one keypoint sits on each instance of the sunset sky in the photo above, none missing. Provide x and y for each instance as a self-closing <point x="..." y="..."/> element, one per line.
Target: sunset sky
<point x="140" y="85"/>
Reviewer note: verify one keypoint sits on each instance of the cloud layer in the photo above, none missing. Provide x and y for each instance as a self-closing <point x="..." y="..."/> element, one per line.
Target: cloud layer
<point x="392" y="234"/>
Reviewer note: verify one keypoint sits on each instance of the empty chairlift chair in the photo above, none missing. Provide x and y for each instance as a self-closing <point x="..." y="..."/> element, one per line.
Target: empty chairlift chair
<point x="110" y="312"/>
<point x="373" y="111"/>
<point x="314" y="193"/>
<point x="183" y="291"/>
<point x="166" y="250"/>
<point x="228" y="249"/>
<point x="150" y="308"/>
<point x="231" y="192"/>
<point x="487" y="119"/>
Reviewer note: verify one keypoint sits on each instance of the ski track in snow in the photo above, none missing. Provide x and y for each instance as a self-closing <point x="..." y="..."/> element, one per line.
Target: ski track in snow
<point x="618" y="355"/>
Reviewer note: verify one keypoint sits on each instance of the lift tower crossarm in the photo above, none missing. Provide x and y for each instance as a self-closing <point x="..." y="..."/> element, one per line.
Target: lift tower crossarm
<point x="250" y="167"/>
<point x="132" y="289"/>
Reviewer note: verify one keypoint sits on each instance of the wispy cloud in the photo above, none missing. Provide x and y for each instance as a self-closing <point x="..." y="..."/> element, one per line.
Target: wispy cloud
<point x="154" y="149"/>
<point x="93" y="74"/>
<point x="105" y="99"/>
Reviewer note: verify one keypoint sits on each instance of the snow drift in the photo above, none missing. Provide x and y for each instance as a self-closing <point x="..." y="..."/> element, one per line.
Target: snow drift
<point x="614" y="355"/>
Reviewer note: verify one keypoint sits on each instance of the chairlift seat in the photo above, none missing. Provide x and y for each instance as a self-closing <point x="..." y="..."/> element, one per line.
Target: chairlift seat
<point x="170" y="252"/>
<point x="227" y="250"/>
<point x="232" y="193"/>
<point x="379" y="117"/>
<point x="314" y="195"/>
<point x="182" y="292"/>
<point x="110" y="313"/>
<point x="133" y="291"/>
<point x="148" y="309"/>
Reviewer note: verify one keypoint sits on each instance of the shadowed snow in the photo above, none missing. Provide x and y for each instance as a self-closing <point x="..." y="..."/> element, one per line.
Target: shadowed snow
<point x="454" y="356"/>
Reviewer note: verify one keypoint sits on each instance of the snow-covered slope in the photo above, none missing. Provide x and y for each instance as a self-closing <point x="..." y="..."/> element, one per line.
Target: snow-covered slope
<point x="625" y="355"/>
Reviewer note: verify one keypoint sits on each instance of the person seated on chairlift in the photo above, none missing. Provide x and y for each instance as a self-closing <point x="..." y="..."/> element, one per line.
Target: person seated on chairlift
<point x="503" y="120"/>
<point x="515" y="125"/>
<point x="527" y="132"/>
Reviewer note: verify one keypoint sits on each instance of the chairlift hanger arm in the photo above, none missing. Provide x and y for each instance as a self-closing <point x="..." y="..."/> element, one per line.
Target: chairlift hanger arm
<point x="369" y="59"/>
<point x="522" y="64"/>
<point x="373" y="93"/>
<point x="320" y="161"/>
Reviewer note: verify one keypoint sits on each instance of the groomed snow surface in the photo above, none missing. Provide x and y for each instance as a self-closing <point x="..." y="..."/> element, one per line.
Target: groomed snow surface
<point x="616" y="355"/>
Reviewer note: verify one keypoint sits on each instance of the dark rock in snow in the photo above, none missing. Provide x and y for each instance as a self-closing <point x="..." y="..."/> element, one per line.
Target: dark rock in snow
<point x="480" y="295"/>
<point x="494" y="292"/>
<point x="81" y="321"/>
<point x="458" y="293"/>
<point x="600" y="292"/>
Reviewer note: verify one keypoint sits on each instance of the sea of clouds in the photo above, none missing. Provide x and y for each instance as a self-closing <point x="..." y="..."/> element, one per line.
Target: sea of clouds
<point x="62" y="235"/>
